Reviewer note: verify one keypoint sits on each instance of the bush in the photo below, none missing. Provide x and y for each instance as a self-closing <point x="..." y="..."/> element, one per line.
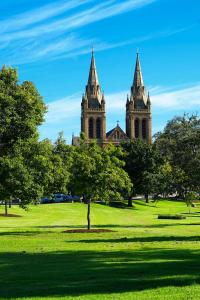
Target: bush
<point x="118" y="204"/>
<point x="172" y="217"/>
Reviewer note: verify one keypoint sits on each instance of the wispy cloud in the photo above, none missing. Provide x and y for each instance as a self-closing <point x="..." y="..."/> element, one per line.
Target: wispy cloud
<point x="53" y="30"/>
<point x="96" y="13"/>
<point x="39" y="15"/>
<point x="183" y="99"/>
<point x="59" y="109"/>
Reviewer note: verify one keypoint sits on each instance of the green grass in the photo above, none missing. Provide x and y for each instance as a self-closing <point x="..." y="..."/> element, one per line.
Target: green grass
<point x="143" y="258"/>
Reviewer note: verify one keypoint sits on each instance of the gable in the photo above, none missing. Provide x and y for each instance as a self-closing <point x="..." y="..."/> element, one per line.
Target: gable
<point x="116" y="134"/>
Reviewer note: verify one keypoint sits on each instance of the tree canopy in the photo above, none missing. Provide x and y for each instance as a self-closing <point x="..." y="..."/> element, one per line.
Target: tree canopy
<point x="179" y="143"/>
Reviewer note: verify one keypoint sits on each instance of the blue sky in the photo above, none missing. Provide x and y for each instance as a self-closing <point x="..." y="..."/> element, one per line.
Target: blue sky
<point x="50" y="43"/>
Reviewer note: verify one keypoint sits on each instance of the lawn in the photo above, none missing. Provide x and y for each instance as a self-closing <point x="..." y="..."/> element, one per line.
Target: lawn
<point x="143" y="258"/>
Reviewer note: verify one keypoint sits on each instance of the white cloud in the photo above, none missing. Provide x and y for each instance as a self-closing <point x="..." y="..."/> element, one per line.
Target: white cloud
<point x="184" y="98"/>
<point x="52" y="31"/>
<point x="66" y="108"/>
<point x="64" y="114"/>
<point x="69" y="107"/>
<point x="38" y="15"/>
<point x="96" y="13"/>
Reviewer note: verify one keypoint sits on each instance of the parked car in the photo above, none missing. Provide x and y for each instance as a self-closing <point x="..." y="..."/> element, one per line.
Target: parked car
<point x="70" y="198"/>
<point x="45" y="200"/>
<point x="58" y="198"/>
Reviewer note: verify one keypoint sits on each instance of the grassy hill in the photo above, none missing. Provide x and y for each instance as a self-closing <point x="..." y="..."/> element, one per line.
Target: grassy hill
<point x="143" y="258"/>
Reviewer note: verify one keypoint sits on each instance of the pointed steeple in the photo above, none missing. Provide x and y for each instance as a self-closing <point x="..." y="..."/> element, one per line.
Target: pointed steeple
<point x="93" y="77"/>
<point x="93" y="89"/>
<point x="138" y="79"/>
<point x="148" y="100"/>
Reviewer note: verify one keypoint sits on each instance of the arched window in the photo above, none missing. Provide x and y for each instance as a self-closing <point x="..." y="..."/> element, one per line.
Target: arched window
<point x="98" y="128"/>
<point x="91" y="128"/>
<point x="137" y="125"/>
<point x="144" y="128"/>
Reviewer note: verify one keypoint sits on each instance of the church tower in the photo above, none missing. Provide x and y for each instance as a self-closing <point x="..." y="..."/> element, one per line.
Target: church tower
<point x="93" y="115"/>
<point x="138" y="109"/>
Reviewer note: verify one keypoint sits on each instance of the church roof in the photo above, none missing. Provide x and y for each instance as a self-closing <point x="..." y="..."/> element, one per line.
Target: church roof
<point x="112" y="131"/>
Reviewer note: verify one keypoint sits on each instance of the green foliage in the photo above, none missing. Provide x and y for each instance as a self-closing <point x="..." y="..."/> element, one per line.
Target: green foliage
<point x="17" y="181"/>
<point x="189" y="198"/>
<point x="171" y="217"/>
<point x="98" y="173"/>
<point x="21" y="110"/>
<point x="180" y="144"/>
<point x="141" y="161"/>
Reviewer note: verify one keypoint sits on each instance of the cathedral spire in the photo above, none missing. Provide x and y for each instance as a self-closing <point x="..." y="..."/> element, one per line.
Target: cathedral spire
<point x="93" y="77"/>
<point x="138" y="79"/>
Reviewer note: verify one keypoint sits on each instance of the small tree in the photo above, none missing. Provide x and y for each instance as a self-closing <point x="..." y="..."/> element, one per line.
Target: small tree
<point x="189" y="198"/>
<point x="98" y="174"/>
<point x="17" y="182"/>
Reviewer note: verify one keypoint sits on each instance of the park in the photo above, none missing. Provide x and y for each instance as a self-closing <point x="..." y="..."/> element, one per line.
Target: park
<point x="99" y="170"/>
<point x="142" y="257"/>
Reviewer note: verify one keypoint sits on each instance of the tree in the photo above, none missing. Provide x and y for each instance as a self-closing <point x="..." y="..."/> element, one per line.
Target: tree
<point x="179" y="143"/>
<point x="98" y="174"/>
<point x="49" y="164"/>
<point x="163" y="180"/>
<point x="62" y="160"/>
<point x="21" y="112"/>
<point x="17" y="182"/>
<point x="141" y="161"/>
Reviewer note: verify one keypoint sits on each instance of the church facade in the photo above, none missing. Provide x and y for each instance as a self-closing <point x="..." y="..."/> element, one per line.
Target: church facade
<point x="138" y="118"/>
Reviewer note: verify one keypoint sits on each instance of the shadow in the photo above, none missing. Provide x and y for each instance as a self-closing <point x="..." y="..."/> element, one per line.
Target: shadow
<point x="148" y="239"/>
<point x="162" y="225"/>
<point x="142" y="203"/>
<point x="76" y="273"/>
<point x="109" y="226"/>
<point x="24" y="233"/>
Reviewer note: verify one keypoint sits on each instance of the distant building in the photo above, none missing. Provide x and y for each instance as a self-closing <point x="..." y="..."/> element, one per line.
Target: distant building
<point x="93" y="111"/>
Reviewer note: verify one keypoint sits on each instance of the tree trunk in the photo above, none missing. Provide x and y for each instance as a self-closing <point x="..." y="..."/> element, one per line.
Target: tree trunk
<point x="146" y="198"/>
<point x="6" y="207"/>
<point x="10" y="203"/>
<point x="88" y="215"/>
<point x="130" y="203"/>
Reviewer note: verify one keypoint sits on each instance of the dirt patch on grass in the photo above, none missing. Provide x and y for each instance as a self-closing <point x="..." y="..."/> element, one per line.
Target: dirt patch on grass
<point x="87" y="231"/>
<point x="10" y="216"/>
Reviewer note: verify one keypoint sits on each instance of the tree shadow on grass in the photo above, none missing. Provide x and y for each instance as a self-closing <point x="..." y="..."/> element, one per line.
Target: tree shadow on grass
<point x="24" y="233"/>
<point x="76" y="273"/>
<point x="160" y="225"/>
<point x="147" y="239"/>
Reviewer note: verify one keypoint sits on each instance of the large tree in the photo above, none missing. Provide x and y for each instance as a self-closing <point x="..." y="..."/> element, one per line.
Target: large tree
<point x="21" y="112"/>
<point x="141" y="160"/>
<point x="179" y="143"/>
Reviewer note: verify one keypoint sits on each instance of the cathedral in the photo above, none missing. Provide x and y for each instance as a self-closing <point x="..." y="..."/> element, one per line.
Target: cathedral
<point x="138" y="120"/>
